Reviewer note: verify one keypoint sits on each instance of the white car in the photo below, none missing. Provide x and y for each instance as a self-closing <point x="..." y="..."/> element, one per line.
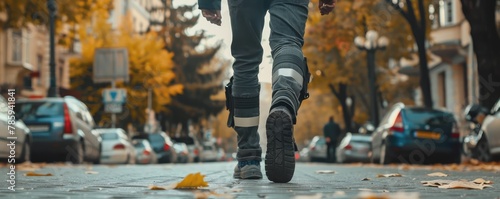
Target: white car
<point x="209" y="153"/>
<point x="116" y="147"/>
<point x="18" y="132"/>
<point x="145" y="153"/>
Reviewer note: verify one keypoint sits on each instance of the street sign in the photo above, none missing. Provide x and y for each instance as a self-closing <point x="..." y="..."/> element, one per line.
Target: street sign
<point x="110" y="64"/>
<point x="114" y="95"/>
<point x="113" y="108"/>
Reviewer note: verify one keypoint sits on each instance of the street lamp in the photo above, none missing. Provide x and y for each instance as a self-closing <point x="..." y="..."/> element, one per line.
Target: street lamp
<point x="371" y="43"/>
<point x="52" y="7"/>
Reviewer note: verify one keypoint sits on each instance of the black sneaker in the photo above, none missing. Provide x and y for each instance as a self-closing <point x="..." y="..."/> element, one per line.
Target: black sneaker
<point x="247" y="170"/>
<point x="280" y="160"/>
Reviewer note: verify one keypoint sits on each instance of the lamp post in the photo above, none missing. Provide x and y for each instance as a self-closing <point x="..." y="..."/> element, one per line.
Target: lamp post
<point x="371" y="43"/>
<point x="52" y="7"/>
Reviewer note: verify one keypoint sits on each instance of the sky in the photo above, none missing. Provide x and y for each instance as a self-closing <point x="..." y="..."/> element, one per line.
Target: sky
<point x="223" y="33"/>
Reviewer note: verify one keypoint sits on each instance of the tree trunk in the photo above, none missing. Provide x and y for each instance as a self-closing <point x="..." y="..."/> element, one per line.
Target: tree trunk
<point x="425" y="81"/>
<point x="341" y="95"/>
<point x="486" y="45"/>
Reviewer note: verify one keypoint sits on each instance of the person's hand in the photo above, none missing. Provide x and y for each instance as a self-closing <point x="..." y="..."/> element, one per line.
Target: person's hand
<point x="327" y="140"/>
<point x="326" y="6"/>
<point x="213" y="16"/>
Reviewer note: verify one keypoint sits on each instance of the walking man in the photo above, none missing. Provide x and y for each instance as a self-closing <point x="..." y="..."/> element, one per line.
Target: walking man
<point x="331" y="131"/>
<point x="289" y="80"/>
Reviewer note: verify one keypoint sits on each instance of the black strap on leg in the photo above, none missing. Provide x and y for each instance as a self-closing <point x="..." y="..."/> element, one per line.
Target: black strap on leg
<point x="304" y="93"/>
<point x="230" y="103"/>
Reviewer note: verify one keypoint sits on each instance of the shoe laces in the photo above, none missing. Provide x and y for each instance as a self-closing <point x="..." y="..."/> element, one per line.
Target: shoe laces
<point x="241" y="164"/>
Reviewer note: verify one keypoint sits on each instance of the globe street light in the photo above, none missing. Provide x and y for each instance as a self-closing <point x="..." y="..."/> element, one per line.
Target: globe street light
<point x="371" y="43"/>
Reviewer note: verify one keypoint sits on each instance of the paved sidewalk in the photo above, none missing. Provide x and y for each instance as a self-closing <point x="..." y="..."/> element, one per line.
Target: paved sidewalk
<point x="132" y="181"/>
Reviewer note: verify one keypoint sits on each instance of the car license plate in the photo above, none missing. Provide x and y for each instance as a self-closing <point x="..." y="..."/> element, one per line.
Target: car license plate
<point x="38" y="128"/>
<point x="428" y="135"/>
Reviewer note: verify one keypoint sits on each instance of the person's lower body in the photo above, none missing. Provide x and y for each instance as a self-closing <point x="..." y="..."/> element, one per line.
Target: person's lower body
<point x="330" y="153"/>
<point x="289" y="80"/>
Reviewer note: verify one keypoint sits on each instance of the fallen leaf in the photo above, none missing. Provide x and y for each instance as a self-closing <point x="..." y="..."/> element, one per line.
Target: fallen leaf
<point x="154" y="187"/>
<point x="463" y="185"/>
<point x="325" y="172"/>
<point x="396" y="195"/>
<point x="389" y="175"/>
<point x="437" y="174"/>
<point x="482" y="181"/>
<point x="315" y="196"/>
<point x="91" y="172"/>
<point x="192" y="181"/>
<point x="436" y="183"/>
<point x="37" y="174"/>
<point x="366" y="179"/>
<point x="339" y="193"/>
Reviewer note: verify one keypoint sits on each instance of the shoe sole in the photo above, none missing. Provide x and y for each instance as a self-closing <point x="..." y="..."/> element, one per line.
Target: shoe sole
<point x="280" y="160"/>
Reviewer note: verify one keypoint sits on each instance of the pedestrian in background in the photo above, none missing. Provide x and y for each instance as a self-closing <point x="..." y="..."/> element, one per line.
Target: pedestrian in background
<point x="332" y="132"/>
<point x="290" y="77"/>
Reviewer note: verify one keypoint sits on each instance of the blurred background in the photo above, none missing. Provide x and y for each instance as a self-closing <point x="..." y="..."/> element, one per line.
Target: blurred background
<point x="390" y="73"/>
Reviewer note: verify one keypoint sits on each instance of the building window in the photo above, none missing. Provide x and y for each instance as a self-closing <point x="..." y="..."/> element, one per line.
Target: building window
<point x="446" y="17"/>
<point x="39" y="65"/>
<point x="442" y="89"/>
<point x="17" y="46"/>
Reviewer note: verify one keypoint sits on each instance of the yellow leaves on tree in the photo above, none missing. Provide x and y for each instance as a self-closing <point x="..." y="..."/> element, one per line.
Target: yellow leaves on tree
<point x="150" y="66"/>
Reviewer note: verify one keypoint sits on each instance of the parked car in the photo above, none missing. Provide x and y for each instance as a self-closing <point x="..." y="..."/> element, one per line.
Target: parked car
<point x="317" y="149"/>
<point x="12" y="126"/>
<point x="221" y="154"/>
<point x="484" y="143"/>
<point x="354" y="148"/>
<point x="193" y="145"/>
<point x="144" y="152"/>
<point x="209" y="153"/>
<point x="116" y="147"/>
<point x="62" y="129"/>
<point x="416" y="135"/>
<point x="182" y="152"/>
<point x="163" y="147"/>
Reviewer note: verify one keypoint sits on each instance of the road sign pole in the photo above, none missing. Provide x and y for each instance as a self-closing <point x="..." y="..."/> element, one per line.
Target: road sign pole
<point x="113" y="115"/>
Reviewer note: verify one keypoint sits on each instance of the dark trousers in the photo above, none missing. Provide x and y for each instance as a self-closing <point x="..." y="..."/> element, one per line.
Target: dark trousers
<point x="330" y="153"/>
<point x="287" y="23"/>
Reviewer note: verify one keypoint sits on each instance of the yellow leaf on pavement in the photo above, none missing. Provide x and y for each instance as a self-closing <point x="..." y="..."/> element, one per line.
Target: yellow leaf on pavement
<point x="437" y="174"/>
<point x="389" y="175"/>
<point x="463" y="185"/>
<point x="192" y="181"/>
<point x="37" y="174"/>
<point x="325" y="172"/>
<point x="482" y="181"/>
<point x="436" y="183"/>
<point x="396" y="195"/>
<point x="91" y="172"/>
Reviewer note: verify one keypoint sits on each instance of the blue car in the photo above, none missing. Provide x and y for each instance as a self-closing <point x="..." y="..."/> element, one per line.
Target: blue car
<point x="416" y="135"/>
<point x="62" y="129"/>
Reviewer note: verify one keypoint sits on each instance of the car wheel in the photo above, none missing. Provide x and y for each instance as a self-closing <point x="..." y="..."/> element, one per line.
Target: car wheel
<point x="25" y="156"/>
<point x="76" y="156"/>
<point x="482" y="151"/>
<point x="386" y="156"/>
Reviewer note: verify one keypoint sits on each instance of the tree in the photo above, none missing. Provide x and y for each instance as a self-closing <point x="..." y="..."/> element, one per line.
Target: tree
<point x="339" y="67"/>
<point x="70" y="13"/>
<point x="196" y="68"/>
<point x="415" y="13"/>
<point x="486" y="44"/>
<point x="150" y="66"/>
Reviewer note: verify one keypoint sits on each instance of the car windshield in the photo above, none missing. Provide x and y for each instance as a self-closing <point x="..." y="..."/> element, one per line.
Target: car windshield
<point x="156" y="139"/>
<point x="138" y="143"/>
<point x="207" y="147"/>
<point x="179" y="147"/>
<point x="185" y="140"/>
<point x="361" y="138"/>
<point x="39" y="109"/>
<point x="109" y="136"/>
<point x="428" y="117"/>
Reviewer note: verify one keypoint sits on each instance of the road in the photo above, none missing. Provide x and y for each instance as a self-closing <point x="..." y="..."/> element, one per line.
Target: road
<point x="132" y="181"/>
